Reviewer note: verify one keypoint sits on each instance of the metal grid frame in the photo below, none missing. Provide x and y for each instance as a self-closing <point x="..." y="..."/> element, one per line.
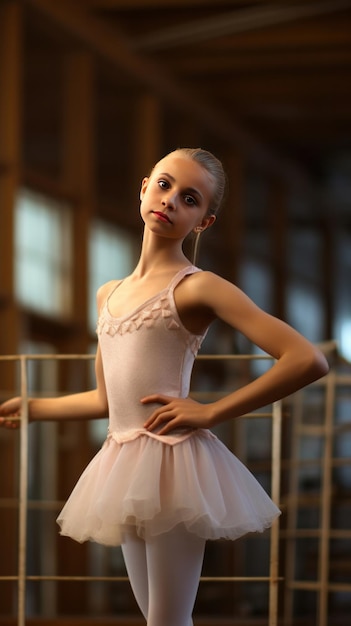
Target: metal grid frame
<point x="325" y="532"/>
<point x="272" y="578"/>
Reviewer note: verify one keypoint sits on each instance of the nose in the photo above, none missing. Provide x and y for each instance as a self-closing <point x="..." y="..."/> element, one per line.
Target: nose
<point x="169" y="199"/>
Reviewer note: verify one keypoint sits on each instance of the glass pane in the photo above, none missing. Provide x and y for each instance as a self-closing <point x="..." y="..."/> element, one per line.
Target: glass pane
<point x="43" y="253"/>
<point x="305" y="311"/>
<point x="112" y="255"/>
<point x="342" y="293"/>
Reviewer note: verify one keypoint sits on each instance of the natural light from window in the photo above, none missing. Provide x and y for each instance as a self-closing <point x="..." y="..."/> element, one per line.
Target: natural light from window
<point x="43" y="256"/>
<point x="111" y="255"/>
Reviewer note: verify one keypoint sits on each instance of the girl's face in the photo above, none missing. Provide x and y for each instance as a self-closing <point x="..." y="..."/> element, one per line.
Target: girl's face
<point x="176" y="196"/>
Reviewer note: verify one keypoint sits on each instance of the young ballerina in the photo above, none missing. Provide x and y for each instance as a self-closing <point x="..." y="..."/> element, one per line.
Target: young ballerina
<point x="162" y="483"/>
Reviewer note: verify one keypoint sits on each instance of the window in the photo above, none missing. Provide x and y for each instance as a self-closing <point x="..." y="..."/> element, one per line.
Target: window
<point x="256" y="281"/>
<point x="342" y="293"/>
<point x="305" y="311"/>
<point x="43" y="253"/>
<point x="304" y="297"/>
<point x="111" y="255"/>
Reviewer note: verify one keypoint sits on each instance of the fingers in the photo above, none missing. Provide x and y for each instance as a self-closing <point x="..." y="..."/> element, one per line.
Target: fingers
<point x="10" y="413"/>
<point x="157" y="418"/>
<point x="11" y="407"/>
<point x="166" y="429"/>
<point x="10" y="422"/>
<point x="165" y="413"/>
<point x="163" y="423"/>
<point x="161" y="414"/>
<point x="156" y="397"/>
<point x="174" y="413"/>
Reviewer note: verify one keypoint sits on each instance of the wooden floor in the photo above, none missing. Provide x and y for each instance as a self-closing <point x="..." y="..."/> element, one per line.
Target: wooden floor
<point x="75" y="621"/>
<point x="125" y="622"/>
<point x="116" y="622"/>
<point x="129" y="622"/>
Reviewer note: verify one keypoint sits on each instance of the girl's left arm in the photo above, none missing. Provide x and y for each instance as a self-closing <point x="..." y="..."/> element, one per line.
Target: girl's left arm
<point x="298" y="362"/>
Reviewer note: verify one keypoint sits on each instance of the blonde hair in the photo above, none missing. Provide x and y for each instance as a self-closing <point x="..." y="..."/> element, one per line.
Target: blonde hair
<point x="214" y="167"/>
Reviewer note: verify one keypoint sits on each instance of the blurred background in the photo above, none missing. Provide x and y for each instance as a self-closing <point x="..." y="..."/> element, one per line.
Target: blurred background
<point x="92" y="94"/>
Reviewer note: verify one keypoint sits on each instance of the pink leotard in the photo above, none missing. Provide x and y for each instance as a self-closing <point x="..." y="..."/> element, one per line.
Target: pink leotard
<point x="153" y="482"/>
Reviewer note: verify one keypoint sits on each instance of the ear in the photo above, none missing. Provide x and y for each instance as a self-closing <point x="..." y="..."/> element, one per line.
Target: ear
<point x="205" y="223"/>
<point x="210" y="219"/>
<point x="144" y="184"/>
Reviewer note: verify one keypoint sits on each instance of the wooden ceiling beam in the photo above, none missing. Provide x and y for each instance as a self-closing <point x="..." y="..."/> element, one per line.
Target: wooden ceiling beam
<point x="292" y="87"/>
<point x="337" y="112"/>
<point x="258" y="62"/>
<point x="234" y="22"/>
<point x="115" y="49"/>
<point x="322" y="32"/>
<point x="137" y="5"/>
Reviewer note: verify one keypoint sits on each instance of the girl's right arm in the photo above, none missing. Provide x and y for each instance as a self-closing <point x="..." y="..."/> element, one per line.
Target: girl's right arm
<point x="85" y="405"/>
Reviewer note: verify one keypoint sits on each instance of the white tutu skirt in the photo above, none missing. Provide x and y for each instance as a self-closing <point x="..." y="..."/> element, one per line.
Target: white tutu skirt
<point x="154" y="486"/>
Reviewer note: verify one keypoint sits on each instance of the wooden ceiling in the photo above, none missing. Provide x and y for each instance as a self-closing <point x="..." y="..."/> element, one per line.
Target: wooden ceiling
<point x="273" y="77"/>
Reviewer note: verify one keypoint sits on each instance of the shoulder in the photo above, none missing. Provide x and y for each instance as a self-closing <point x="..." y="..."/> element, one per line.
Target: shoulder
<point x="104" y="291"/>
<point x="209" y="287"/>
<point x="219" y="296"/>
<point x="204" y="296"/>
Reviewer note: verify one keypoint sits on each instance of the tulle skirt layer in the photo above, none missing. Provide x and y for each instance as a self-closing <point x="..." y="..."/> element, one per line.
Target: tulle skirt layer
<point x="154" y="486"/>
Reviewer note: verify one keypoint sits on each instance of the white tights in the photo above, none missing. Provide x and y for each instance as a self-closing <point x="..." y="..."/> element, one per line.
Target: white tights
<point x="164" y="573"/>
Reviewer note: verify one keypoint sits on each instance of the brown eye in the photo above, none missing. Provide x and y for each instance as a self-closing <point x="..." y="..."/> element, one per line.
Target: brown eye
<point x="190" y="200"/>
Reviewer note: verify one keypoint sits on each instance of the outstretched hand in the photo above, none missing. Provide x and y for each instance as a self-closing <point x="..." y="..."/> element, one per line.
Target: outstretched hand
<point x="176" y="413"/>
<point x="10" y="413"/>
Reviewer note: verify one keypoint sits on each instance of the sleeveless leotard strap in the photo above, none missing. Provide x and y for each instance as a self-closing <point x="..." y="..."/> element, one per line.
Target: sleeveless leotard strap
<point x="119" y="282"/>
<point x="189" y="269"/>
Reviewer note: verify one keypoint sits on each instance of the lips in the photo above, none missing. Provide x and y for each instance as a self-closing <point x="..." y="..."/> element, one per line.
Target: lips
<point x="162" y="216"/>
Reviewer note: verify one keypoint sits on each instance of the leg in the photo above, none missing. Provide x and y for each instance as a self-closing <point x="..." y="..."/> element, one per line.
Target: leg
<point x="174" y="562"/>
<point x="134" y="554"/>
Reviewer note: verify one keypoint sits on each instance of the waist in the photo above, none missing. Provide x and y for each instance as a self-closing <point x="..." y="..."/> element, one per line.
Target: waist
<point x="176" y="436"/>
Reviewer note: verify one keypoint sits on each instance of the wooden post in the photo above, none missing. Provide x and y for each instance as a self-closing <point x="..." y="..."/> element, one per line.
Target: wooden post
<point x="78" y="168"/>
<point x="231" y="221"/>
<point x="326" y="501"/>
<point x="23" y="498"/>
<point x="10" y="158"/>
<point x="274" y="546"/>
<point x="78" y="177"/>
<point x="10" y="161"/>
<point x="278" y="229"/>
<point x="328" y="233"/>
<point x="147" y="136"/>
